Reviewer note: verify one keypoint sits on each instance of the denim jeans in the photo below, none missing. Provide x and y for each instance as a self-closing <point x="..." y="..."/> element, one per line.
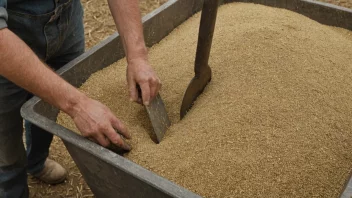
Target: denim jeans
<point x="56" y="37"/>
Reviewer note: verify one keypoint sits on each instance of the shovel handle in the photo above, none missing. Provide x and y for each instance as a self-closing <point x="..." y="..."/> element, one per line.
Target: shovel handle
<point x="205" y="37"/>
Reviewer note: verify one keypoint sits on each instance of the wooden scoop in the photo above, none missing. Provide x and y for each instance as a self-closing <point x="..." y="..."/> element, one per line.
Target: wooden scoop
<point x="201" y="68"/>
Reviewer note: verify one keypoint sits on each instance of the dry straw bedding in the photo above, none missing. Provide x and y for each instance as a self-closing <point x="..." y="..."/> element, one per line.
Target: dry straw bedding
<point x="275" y="121"/>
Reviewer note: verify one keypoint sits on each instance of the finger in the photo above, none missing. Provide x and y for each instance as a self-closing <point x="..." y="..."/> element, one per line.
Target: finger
<point x="139" y="101"/>
<point x="102" y="140"/>
<point x="145" y="93"/>
<point x="117" y="139"/>
<point x="153" y="87"/>
<point x="133" y="91"/>
<point x="120" y="127"/>
<point x="93" y="140"/>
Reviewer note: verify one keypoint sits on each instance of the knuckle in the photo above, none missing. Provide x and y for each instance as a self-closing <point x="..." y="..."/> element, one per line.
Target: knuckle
<point x="102" y="127"/>
<point x="118" y="126"/>
<point x="155" y="81"/>
<point x="94" y="128"/>
<point x="105" y="143"/>
<point x="116" y="141"/>
<point x="118" y="123"/>
<point x="143" y="80"/>
<point x="91" y="132"/>
<point x="152" y="79"/>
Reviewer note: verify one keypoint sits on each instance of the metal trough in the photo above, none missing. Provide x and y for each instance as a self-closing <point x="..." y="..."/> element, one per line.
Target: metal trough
<point x="109" y="174"/>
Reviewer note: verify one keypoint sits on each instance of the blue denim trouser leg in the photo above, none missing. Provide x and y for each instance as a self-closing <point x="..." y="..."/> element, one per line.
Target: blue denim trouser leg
<point x="57" y="38"/>
<point x="12" y="153"/>
<point x="37" y="149"/>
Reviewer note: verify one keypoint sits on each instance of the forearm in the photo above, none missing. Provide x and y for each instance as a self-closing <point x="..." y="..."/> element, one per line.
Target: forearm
<point x="20" y="65"/>
<point x="127" y="18"/>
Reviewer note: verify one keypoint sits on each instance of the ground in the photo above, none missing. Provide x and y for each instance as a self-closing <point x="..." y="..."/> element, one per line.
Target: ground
<point x="98" y="25"/>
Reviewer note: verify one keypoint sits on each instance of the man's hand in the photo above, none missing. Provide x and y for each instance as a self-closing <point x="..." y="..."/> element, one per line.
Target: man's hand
<point x="20" y="65"/>
<point x="127" y="18"/>
<point x="141" y="73"/>
<point x="95" y="121"/>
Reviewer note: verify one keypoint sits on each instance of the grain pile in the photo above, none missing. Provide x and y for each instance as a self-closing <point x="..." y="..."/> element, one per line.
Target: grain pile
<point x="274" y="122"/>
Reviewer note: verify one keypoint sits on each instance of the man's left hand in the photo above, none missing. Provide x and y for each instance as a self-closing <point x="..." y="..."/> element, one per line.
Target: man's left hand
<point x="139" y="72"/>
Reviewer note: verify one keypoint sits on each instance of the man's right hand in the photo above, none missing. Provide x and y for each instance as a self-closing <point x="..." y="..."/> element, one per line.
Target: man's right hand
<point x="95" y="121"/>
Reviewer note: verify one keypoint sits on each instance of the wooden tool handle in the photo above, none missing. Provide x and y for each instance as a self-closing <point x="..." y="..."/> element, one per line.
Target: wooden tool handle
<point x="206" y="32"/>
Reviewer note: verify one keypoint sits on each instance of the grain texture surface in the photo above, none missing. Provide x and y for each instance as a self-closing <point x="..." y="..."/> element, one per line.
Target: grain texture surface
<point x="274" y="122"/>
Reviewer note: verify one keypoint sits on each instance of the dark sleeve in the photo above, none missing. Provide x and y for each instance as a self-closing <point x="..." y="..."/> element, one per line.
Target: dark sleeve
<point x="3" y="14"/>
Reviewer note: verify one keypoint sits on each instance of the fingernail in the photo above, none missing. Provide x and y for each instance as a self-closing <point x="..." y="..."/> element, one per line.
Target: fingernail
<point x="127" y="147"/>
<point x="146" y="103"/>
<point x="131" y="100"/>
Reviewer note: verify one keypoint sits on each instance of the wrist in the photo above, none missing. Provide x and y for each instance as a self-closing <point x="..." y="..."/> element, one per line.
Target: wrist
<point x="138" y="55"/>
<point x="74" y="105"/>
